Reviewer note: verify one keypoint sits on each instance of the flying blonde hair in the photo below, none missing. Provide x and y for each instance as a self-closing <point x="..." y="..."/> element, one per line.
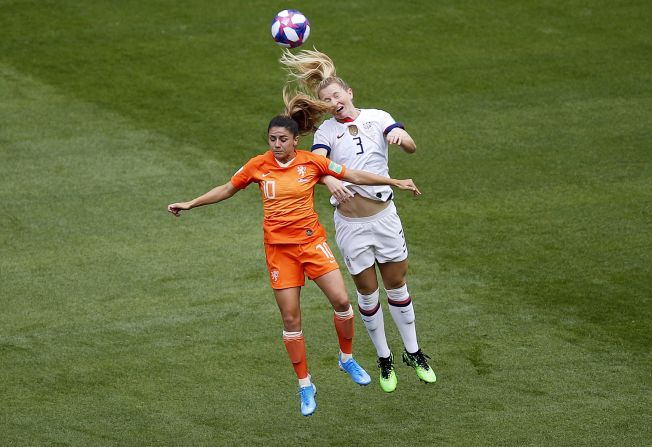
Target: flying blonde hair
<point x="306" y="110"/>
<point x="311" y="69"/>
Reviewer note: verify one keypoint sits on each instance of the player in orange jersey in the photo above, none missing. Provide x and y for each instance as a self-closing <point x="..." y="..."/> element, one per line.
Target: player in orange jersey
<point x="295" y="241"/>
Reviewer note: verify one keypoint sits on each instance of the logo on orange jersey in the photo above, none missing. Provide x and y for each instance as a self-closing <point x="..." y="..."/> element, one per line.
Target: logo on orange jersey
<point x="301" y="170"/>
<point x="275" y="274"/>
<point x="335" y="167"/>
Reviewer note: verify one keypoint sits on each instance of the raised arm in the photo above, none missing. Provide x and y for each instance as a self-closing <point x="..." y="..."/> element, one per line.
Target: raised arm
<point x="215" y="195"/>
<point x="403" y="139"/>
<point x="367" y="178"/>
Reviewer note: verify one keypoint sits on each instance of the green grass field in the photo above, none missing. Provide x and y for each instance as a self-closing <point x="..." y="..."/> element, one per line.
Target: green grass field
<point x="531" y="247"/>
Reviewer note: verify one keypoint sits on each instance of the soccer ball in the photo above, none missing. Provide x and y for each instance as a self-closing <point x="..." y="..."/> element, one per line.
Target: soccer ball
<point x="290" y="28"/>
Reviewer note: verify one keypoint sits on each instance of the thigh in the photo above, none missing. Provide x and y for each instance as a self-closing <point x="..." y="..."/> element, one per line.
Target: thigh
<point x="332" y="284"/>
<point x="285" y="269"/>
<point x="393" y="274"/>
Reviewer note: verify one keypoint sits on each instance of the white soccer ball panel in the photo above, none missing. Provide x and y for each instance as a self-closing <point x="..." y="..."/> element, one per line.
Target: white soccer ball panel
<point x="283" y="13"/>
<point x="291" y="34"/>
<point x="297" y="19"/>
<point x="275" y="27"/>
<point x="306" y="33"/>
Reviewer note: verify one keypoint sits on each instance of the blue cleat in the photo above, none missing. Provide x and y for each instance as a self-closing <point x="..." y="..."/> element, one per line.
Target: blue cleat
<point x="308" y="403"/>
<point x="357" y="373"/>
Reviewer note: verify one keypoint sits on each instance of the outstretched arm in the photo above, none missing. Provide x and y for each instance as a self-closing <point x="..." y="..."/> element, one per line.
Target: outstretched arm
<point x="215" y="195"/>
<point x="402" y="138"/>
<point x="367" y="178"/>
<point x="335" y="187"/>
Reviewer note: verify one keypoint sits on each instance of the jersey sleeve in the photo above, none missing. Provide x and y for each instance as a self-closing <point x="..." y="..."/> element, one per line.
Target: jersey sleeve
<point x="387" y="122"/>
<point x="244" y="176"/>
<point x="321" y="140"/>
<point x="329" y="167"/>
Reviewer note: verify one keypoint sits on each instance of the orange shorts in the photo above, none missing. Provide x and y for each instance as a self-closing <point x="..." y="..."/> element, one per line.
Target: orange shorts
<point x="288" y="263"/>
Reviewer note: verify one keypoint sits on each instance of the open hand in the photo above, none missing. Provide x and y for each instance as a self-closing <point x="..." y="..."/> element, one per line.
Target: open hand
<point x="408" y="185"/>
<point x="337" y="189"/>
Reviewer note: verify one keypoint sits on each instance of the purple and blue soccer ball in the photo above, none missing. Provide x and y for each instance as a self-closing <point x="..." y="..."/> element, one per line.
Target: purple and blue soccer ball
<point x="290" y="28"/>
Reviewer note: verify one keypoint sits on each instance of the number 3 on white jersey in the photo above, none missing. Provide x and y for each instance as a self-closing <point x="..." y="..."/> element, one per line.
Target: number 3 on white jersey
<point x="327" y="251"/>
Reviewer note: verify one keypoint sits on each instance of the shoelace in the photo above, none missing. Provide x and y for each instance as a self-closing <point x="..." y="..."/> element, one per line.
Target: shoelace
<point x="420" y="357"/>
<point x="385" y="365"/>
<point x="416" y="359"/>
<point x="354" y="367"/>
<point x="305" y="393"/>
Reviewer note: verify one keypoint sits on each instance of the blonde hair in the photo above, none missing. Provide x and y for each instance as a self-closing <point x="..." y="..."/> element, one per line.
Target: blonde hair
<point x="310" y="71"/>
<point x="306" y="110"/>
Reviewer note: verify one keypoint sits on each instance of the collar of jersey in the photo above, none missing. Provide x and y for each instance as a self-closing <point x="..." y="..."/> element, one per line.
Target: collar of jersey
<point x="284" y="165"/>
<point x="348" y="119"/>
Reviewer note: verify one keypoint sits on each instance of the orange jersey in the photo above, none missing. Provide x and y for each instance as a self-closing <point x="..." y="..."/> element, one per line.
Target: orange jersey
<point x="287" y="191"/>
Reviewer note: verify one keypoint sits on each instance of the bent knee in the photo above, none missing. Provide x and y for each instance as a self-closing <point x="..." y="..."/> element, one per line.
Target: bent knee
<point x="292" y="323"/>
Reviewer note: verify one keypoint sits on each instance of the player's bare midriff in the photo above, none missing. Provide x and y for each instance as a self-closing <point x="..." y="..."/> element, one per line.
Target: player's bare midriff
<point x="359" y="206"/>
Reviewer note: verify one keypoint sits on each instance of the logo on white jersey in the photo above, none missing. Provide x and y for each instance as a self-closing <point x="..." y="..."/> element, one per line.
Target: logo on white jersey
<point x="353" y="130"/>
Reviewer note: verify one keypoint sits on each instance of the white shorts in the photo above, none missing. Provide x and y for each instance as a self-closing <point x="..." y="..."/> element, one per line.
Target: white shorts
<point x="365" y="240"/>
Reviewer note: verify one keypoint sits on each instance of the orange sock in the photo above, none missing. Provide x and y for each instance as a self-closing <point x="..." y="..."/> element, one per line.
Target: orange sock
<point x="296" y="348"/>
<point x="344" y="328"/>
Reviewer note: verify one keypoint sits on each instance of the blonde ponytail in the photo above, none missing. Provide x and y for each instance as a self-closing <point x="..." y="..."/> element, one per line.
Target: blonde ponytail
<point x="309" y="71"/>
<point x="305" y="110"/>
<point x="308" y="67"/>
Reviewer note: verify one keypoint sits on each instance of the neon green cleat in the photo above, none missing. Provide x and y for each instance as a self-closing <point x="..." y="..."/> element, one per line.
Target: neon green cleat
<point x="420" y="364"/>
<point x="388" y="379"/>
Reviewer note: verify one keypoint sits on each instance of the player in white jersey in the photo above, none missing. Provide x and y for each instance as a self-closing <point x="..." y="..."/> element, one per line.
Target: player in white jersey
<point x="368" y="228"/>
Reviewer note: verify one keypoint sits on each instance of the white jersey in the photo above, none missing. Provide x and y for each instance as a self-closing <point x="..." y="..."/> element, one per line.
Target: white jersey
<point x="359" y="144"/>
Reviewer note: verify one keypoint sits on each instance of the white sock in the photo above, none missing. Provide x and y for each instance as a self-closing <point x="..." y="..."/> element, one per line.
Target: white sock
<point x="305" y="381"/>
<point x="400" y="306"/>
<point x="345" y="357"/>
<point x="372" y="317"/>
<point x="347" y="313"/>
